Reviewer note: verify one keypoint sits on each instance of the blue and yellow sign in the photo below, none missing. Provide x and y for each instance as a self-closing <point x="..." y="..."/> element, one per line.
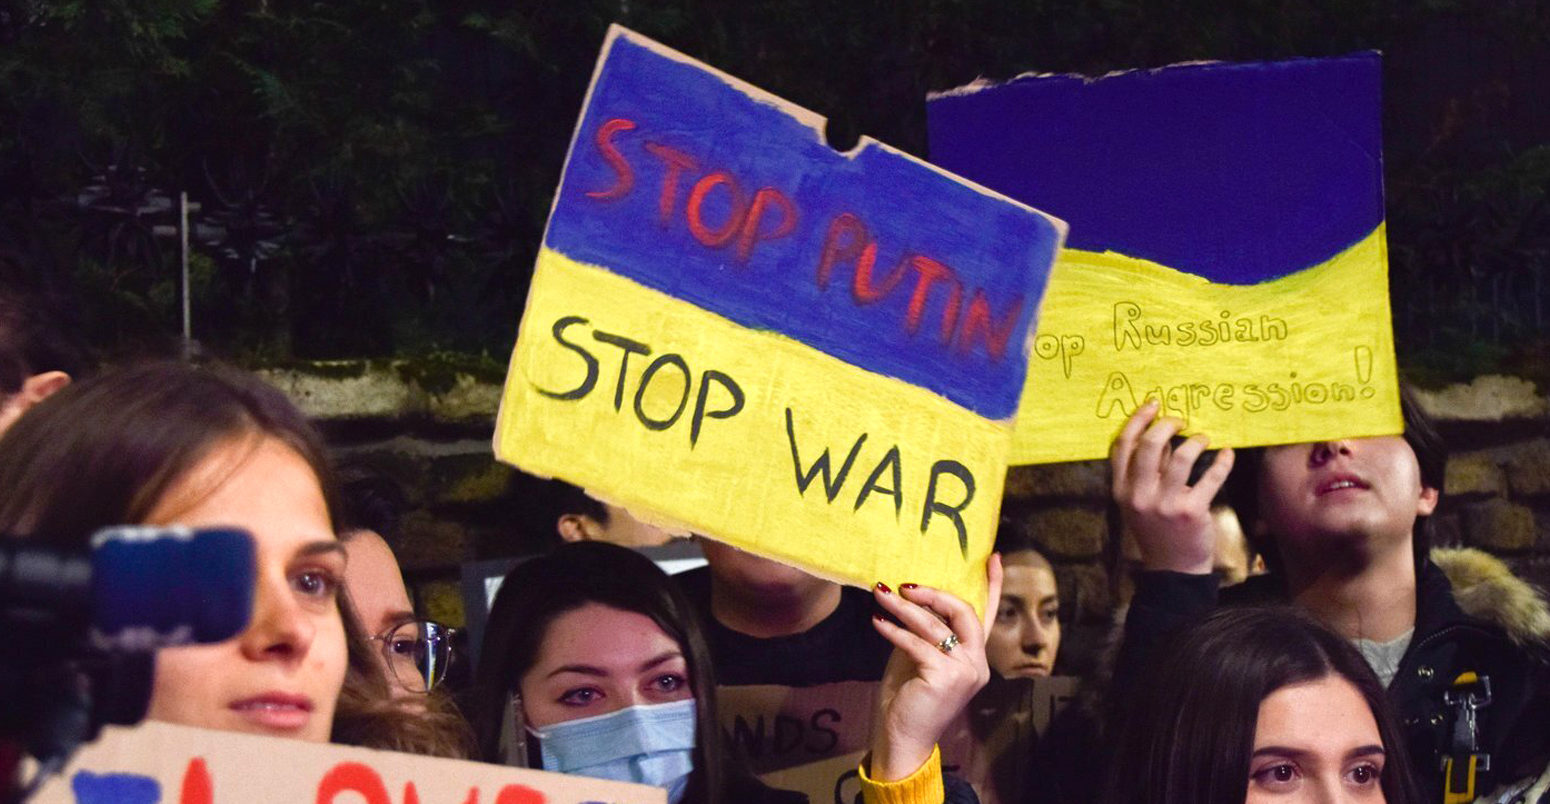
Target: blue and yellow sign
<point x="1226" y="254"/>
<point x="735" y="330"/>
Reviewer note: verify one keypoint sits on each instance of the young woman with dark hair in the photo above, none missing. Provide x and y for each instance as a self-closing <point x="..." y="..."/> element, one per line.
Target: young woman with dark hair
<point x="170" y="444"/>
<point x="1257" y="705"/>
<point x="593" y="663"/>
<point x="1024" y="638"/>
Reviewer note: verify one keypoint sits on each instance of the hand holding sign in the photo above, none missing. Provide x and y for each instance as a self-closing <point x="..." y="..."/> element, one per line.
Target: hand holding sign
<point x="938" y="664"/>
<point x="1169" y="516"/>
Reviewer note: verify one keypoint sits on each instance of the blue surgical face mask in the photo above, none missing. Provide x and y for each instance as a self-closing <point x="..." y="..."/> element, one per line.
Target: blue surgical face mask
<point x="644" y="744"/>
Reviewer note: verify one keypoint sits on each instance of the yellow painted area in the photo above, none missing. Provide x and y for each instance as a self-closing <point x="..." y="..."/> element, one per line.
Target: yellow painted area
<point x="1301" y="358"/>
<point x="738" y="483"/>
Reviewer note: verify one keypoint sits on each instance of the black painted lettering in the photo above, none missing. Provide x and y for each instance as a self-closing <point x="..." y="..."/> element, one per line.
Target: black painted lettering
<point x="700" y="413"/>
<point x="627" y="347"/>
<point x="829" y="738"/>
<point x="646" y="376"/>
<point x="749" y="739"/>
<point x="831" y="486"/>
<point x="788" y="734"/>
<point x="953" y="512"/>
<point x="889" y="461"/>
<point x="587" y="384"/>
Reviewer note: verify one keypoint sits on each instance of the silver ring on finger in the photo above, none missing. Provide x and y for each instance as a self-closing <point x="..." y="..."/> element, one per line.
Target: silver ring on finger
<point x="948" y="643"/>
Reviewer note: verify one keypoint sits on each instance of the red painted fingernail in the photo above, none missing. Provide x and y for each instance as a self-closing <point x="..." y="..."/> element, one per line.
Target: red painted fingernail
<point x="880" y="618"/>
<point x="882" y="587"/>
<point x="909" y="585"/>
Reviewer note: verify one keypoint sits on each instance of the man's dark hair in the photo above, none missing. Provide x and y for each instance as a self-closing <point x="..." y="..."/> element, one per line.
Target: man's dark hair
<point x="369" y="500"/>
<point x="544" y="500"/>
<point x="1431" y="453"/>
<point x="33" y="339"/>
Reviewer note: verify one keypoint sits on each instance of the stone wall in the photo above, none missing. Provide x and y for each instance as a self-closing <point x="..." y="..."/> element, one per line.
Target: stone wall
<point x="465" y="506"/>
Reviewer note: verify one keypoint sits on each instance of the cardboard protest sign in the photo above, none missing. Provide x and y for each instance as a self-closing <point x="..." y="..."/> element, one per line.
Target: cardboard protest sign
<point x="735" y="330"/>
<point x="809" y="738"/>
<point x="828" y="781"/>
<point x="777" y="727"/>
<point x="160" y="762"/>
<point x="1227" y="250"/>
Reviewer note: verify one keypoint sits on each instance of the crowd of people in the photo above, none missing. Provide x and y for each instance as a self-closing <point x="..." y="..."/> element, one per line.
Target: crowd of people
<point x="1351" y="669"/>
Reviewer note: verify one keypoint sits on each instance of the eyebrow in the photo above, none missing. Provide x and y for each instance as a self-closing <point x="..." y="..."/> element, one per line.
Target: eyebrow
<point x="664" y="658"/>
<point x="591" y="670"/>
<point x="322" y="547"/>
<point x="1281" y="750"/>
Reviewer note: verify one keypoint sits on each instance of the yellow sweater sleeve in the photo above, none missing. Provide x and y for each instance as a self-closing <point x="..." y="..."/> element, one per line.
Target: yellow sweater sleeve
<point x="924" y="786"/>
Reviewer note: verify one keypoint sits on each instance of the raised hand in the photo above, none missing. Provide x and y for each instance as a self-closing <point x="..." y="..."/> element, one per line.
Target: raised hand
<point x="1170" y="519"/>
<point x="938" y="663"/>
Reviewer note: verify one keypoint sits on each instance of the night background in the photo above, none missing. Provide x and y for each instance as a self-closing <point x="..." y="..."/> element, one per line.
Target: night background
<point x="373" y="178"/>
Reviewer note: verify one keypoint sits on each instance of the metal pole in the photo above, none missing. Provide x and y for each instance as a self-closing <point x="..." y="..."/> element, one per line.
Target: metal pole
<point x="188" y="325"/>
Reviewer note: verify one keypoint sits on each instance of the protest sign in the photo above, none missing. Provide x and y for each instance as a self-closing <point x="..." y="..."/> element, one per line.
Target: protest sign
<point x="801" y="738"/>
<point x="167" y="764"/>
<point x="1226" y="255"/>
<point x="736" y="330"/>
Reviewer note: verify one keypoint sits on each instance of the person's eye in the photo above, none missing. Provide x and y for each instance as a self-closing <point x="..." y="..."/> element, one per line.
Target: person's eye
<point x="669" y="682"/>
<point x="1050" y="615"/>
<point x="1006" y="613"/>
<point x="318" y="584"/>
<point x="581" y="696"/>
<point x="1366" y="774"/>
<point x="1281" y="774"/>
<point x="403" y="646"/>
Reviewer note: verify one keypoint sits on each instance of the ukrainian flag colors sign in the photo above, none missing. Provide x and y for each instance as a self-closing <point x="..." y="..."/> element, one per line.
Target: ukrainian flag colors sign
<point x="735" y="330"/>
<point x="1226" y="254"/>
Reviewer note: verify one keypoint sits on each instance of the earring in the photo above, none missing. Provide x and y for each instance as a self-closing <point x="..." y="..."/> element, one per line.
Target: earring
<point x="513" y="744"/>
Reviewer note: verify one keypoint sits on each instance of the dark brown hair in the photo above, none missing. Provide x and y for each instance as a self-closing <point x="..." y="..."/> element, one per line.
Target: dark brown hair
<point x="104" y="451"/>
<point x="1187" y="734"/>
<point x="538" y="591"/>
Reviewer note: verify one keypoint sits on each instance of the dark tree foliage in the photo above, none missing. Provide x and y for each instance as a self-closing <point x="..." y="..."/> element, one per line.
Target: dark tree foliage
<point x="374" y="177"/>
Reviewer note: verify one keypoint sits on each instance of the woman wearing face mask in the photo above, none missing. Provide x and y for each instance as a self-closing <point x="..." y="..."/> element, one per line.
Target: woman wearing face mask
<point x="592" y="663"/>
<point x="169" y="444"/>
<point x="1258" y="705"/>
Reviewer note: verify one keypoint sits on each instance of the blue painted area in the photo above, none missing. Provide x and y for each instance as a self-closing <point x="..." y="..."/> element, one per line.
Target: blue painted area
<point x="1239" y="173"/>
<point x="114" y="788"/>
<point x="907" y="207"/>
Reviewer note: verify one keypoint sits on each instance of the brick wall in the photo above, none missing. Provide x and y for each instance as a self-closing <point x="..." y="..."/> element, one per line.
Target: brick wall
<point x="464" y="506"/>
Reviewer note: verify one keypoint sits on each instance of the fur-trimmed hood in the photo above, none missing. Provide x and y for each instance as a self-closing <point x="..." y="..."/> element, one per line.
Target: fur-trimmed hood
<point x="1485" y="588"/>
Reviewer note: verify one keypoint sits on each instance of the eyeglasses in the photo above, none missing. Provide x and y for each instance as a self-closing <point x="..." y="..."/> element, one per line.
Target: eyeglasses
<point x="417" y="653"/>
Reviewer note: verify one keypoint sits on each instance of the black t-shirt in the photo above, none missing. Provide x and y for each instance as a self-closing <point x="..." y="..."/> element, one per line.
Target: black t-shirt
<point x="843" y="647"/>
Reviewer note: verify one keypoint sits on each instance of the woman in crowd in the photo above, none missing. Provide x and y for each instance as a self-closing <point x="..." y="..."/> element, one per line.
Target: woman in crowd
<point x="169" y="444"/>
<point x="1024" y="638"/>
<point x="593" y="663"/>
<point x="1258" y="705"/>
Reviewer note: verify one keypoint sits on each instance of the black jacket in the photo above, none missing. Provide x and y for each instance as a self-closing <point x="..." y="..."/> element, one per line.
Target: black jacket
<point x="1491" y="641"/>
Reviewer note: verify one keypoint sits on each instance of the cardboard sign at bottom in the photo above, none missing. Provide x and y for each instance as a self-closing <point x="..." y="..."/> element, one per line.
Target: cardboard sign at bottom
<point x="811" y="739"/>
<point x="159" y="763"/>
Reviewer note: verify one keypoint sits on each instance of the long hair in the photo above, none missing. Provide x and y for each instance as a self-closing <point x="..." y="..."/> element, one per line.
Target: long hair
<point x="1187" y="734"/>
<point x="104" y="451"/>
<point x="538" y="591"/>
<point x="1431" y="454"/>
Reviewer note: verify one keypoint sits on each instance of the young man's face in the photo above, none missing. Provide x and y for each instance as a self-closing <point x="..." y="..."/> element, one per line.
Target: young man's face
<point x="1362" y="492"/>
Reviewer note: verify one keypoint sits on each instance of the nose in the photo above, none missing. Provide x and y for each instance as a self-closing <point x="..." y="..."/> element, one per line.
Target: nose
<point x="1036" y="637"/>
<point x="1325" y="451"/>
<point x="280" y="629"/>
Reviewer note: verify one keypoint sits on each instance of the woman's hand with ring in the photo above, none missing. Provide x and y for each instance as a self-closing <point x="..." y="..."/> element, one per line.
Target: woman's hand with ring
<point x="938" y="664"/>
